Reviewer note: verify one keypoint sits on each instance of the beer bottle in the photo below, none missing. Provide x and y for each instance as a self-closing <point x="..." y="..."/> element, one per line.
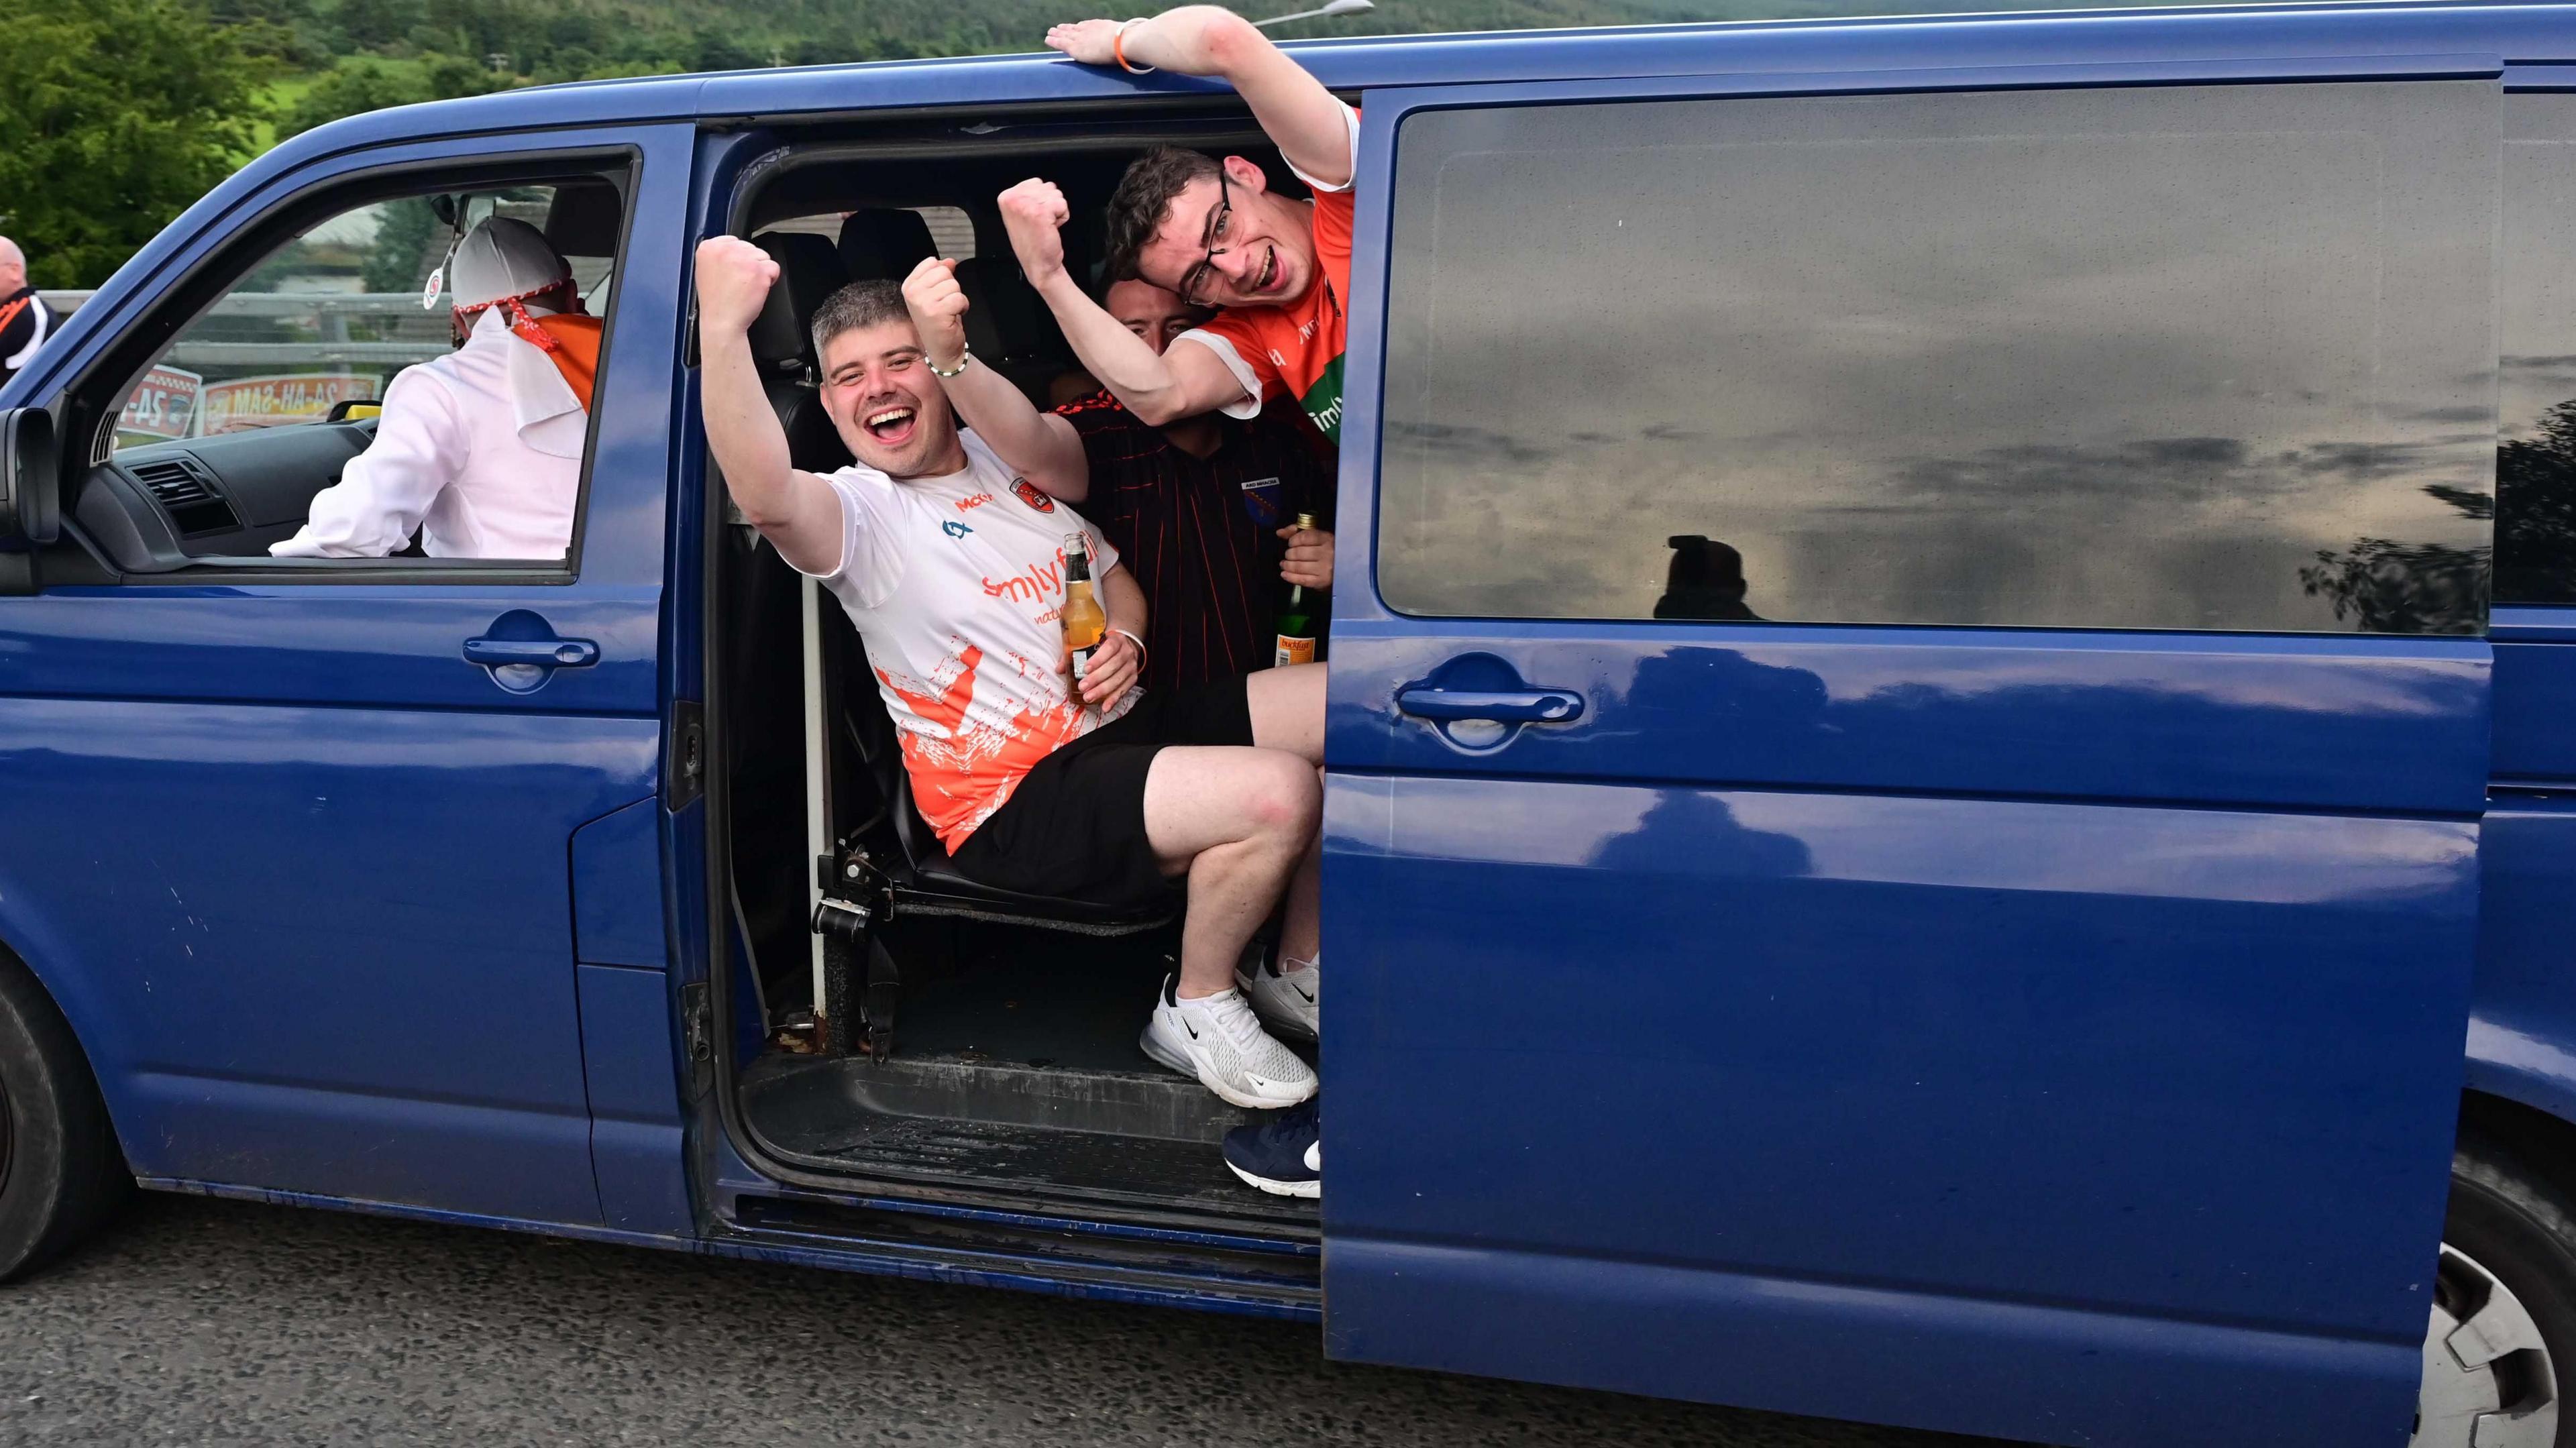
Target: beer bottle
<point x="1299" y="612"/>
<point x="1085" y="625"/>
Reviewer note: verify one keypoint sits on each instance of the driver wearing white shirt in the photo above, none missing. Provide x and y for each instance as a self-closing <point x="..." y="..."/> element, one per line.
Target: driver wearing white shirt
<point x="479" y="450"/>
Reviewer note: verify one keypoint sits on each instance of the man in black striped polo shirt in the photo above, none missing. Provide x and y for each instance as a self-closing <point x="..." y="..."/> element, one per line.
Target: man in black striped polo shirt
<point x="1201" y="510"/>
<point x="25" y="320"/>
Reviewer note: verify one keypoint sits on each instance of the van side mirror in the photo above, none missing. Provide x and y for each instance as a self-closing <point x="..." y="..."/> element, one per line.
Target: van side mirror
<point x="31" y="476"/>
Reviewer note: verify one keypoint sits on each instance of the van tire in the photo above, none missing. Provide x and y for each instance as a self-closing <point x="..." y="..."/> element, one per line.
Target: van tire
<point x="61" y="1172"/>
<point x="2516" y="1230"/>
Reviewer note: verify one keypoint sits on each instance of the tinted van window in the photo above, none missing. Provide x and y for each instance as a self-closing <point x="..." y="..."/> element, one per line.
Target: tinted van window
<point x="2194" y="358"/>
<point x="2536" y="323"/>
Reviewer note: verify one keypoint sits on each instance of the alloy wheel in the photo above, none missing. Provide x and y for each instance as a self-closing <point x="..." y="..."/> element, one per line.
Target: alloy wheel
<point x="2488" y="1378"/>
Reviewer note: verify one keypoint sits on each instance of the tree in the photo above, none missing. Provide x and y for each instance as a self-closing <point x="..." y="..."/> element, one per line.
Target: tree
<point x="360" y="83"/>
<point x="117" y="114"/>
<point x="2390" y="587"/>
<point x="2536" y="513"/>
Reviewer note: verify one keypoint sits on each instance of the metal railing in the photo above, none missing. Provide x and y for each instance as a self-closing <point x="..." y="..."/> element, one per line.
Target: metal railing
<point x="330" y="307"/>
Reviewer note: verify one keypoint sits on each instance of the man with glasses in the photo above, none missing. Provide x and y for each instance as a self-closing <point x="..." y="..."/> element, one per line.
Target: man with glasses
<point x="1278" y="270"/>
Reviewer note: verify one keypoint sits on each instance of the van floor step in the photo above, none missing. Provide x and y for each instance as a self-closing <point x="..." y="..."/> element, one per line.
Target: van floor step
<point x="852" y="1113"/>
<point x="1151" y="1102"/>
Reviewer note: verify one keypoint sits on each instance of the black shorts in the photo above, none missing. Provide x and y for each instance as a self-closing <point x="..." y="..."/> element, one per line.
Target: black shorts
<point x="1075" y="827"/>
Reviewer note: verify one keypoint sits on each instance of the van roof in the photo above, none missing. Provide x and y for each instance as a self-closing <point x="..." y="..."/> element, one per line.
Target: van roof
<point x="2535" y="32"/>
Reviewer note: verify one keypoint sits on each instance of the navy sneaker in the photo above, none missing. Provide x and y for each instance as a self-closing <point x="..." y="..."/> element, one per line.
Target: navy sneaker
<point x="1282" y="1154"/>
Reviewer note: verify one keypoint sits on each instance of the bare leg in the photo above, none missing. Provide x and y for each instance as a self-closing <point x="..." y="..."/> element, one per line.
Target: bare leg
<point x="1302" y="935"/>
<point x="1288" y="709"/>
<point x="1239" y="822"/>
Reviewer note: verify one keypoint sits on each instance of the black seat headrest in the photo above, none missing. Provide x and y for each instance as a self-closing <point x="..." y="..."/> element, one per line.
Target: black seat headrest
<point x="808" y="271"/>
<point x="884" y="242"/>
<point x="583" y="217"/>
<point x="1006" y="319"/>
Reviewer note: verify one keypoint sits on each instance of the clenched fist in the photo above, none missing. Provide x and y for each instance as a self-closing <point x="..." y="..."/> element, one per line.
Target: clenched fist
<point x="1034" y="213"/>
<point x="734" y="277"/>
<point x="938" y="307"/>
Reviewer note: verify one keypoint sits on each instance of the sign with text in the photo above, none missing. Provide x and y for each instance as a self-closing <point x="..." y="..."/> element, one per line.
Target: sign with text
<point x="248" y="402"/>
<point x="163" y="404"/>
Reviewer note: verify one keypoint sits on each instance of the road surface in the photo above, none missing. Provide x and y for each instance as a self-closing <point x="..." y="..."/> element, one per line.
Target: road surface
<point x="206" y="1322"/>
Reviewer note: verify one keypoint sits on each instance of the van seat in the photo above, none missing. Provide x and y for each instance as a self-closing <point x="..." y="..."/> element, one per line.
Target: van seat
<point x="929" y="882"/>
<point x="782" y="346"/>
<point x="1009" y="327"/>
<point x="884" y="243"/>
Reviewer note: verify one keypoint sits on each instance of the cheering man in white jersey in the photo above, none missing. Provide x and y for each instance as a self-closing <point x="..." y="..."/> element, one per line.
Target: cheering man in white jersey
<point x="951" y="564"/>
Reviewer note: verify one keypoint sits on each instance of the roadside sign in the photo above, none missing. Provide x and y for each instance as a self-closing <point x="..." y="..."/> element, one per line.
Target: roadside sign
<point x="162" y="405"/>
<point x="248" y="402"/>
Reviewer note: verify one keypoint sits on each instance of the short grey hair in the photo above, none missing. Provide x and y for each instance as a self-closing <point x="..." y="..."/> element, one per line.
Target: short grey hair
<point x="855" y="307"/>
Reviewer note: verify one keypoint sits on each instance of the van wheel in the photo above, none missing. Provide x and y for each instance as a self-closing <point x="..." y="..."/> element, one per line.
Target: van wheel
<point x="60" y="1169"/>
<point x="2504" y="1310"/>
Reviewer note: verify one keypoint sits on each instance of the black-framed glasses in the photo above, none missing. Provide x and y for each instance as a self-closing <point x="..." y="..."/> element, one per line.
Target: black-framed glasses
<point x="1194" y="284"/>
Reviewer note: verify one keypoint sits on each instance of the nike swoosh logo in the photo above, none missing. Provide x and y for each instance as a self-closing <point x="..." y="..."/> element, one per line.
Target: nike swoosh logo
<point x="1303" y="994"/>
<point x="1193" y="1030"/>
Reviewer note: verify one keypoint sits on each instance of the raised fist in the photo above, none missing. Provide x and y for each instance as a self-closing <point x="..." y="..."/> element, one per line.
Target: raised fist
<point x="734" y="277"/>
<point x="1034" y="213"/>
<point x="938" y="307"/>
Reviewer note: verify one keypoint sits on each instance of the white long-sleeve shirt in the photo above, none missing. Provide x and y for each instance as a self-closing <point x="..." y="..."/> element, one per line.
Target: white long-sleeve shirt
<point x="480" y="450"/>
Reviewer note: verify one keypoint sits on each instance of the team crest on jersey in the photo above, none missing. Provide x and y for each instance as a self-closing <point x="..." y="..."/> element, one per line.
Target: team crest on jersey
<point x="1027" y="492"/>
<point x="954" y="529"/>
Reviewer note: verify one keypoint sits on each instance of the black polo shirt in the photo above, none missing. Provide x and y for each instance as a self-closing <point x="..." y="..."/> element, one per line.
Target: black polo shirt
<point x="25" y="323"/>
<point x="1187" y="529"/>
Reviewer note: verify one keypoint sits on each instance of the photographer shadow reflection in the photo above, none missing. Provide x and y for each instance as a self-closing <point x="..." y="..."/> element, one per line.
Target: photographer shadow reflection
<point x="1705" y="580"/>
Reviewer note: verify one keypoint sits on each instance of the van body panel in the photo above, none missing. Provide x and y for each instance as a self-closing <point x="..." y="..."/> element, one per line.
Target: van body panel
<point x="2522" y="1033"/>
<point x="2167" y="937"/>
<point x="322" y="862"/>
<point x="358" y="981"/>
<point x="2033" y="1370"/>
<point x="1964" y="1047"/>
<point x="637" y="1145"/>
<point x="2535" y="697"/>
<point x="2388" y="724"/>
<point x="617" y="902"/>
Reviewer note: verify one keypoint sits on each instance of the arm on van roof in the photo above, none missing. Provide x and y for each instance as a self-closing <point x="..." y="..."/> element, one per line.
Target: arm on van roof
<point x="1302" y="118"/>
<point x="1039" y="446"/>
<point x="796" y="511"/>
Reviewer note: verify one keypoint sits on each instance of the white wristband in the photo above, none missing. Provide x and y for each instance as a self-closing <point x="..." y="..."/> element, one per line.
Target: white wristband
<point x="1139" y="643"/>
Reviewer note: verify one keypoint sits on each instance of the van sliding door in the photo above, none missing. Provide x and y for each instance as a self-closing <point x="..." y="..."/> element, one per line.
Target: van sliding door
<point x="1902" y="837"/>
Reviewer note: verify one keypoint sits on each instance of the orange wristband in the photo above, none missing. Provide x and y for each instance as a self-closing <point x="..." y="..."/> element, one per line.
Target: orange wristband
<point x="1118" y="48"/>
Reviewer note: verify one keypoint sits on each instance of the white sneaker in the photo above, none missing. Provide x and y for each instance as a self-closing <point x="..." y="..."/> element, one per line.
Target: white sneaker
<point x="1286" y="1000"/>
<point x="1218" y="1040"/>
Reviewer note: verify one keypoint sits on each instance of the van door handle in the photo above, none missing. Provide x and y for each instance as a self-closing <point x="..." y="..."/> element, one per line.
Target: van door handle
<point x="520" y="651"/>
<point x="543" y="653"/>
<point x="1521" y="706"/>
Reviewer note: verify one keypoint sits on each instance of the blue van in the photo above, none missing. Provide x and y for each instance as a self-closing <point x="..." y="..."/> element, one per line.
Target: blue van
<point x="1952" y="747"/>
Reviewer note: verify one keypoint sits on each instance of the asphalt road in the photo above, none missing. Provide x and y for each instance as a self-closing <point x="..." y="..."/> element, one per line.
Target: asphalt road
<point x="197" y="1321"/>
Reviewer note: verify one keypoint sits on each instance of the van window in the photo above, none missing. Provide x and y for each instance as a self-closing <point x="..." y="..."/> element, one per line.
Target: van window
<point x="2536" y="320"/>
<point x="2188" y="358"/>
<point x="261" y="402"/>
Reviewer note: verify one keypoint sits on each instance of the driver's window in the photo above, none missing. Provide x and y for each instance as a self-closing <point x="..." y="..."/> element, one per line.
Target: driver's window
<point x="263" y="427"/>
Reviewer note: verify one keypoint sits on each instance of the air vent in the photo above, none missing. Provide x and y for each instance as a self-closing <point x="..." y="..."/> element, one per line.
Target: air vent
<point x="183" y="490"/>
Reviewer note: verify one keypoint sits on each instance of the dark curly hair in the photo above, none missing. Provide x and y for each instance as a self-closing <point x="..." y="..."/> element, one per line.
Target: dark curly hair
<point x="1143" y="198"/>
